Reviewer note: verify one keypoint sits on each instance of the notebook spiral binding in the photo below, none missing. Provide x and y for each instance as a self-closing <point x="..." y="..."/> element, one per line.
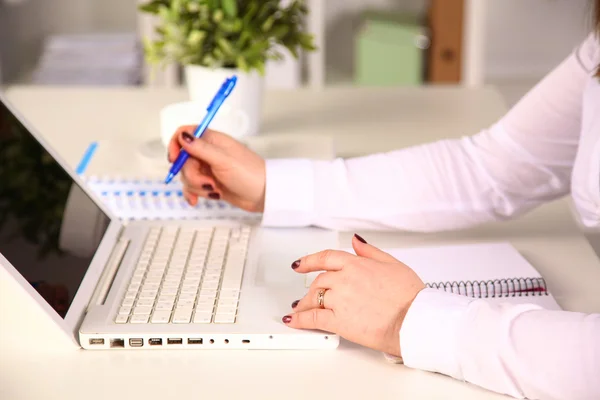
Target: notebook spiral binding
<point x="516" y="287"/>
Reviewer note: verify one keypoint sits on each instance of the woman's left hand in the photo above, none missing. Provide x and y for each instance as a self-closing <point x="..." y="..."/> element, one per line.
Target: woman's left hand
<point x="366" y="296"/>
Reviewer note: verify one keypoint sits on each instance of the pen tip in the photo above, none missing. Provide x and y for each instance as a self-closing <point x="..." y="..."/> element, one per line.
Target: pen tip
<point x="169" y="178"/>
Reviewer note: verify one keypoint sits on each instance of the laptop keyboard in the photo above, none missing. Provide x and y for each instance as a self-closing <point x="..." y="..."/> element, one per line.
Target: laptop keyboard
<point x="187" y="275"/>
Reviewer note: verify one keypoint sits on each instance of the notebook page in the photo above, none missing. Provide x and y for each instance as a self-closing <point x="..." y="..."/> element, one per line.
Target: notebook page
<point x="472" y="262"/>
<point x="479" y="269"/>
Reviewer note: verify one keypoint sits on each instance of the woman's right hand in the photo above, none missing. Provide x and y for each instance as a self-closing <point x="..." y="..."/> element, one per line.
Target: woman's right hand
<point x="219" y="167"/>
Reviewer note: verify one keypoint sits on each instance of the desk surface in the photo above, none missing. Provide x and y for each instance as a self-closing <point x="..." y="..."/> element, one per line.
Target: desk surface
<point x="34" y="365"/>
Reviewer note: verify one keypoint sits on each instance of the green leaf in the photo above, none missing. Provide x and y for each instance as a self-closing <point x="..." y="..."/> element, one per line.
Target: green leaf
<point x="231" y="26"/>
<point x="152" y="6"/>
<point x="260" y="66"/>
<point x="230" y="8"/>
<point x="225" y="46"/>
<point x="242" y="64"/>
<point x="306" y="41"/>
<point x="280" y="31"/>
<point x="195" y="38"/>
<point x="266" y="26"/>
<point x="218" y="16"/>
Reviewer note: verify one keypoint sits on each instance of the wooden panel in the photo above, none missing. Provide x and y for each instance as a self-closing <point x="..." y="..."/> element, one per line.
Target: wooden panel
<point x="445" y="54"/>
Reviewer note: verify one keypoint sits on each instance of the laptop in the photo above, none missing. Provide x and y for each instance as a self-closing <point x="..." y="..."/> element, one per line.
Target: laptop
<point x="110" y="285"/>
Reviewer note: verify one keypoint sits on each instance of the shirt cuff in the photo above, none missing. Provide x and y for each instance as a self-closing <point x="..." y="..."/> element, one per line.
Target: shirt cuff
<point x="289" y="193"/>
<point x="431" y="331"/>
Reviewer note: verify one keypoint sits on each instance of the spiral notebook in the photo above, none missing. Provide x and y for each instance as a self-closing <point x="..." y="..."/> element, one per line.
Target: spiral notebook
<point x="143" y="198"/>
<point x="141" y="193"/>
<point x="494" y="271"/>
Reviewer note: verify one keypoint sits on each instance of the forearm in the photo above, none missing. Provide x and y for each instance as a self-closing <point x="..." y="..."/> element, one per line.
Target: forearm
<point x="523" y="160"/>
<point x="438" y="186"/>
<point x="519" y="350"/>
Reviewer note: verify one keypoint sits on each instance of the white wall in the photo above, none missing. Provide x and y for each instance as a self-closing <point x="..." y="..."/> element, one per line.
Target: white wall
<point x="525" y="39"/>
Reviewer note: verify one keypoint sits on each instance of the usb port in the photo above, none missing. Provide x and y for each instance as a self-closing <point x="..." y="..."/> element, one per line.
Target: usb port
<point x="174" y="341"/>
<point x="136" y="342"/>
<point x="96" y="341"/>
<point x="117" y="343"/>
<point x="155" y="342"/>
<point x="195" y="341"/>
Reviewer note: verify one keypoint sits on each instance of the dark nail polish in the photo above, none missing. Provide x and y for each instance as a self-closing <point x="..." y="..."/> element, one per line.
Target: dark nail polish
<point x="214" y="196"/>
<point x="187" y="137"/>
<point x="287" y="319"/>
<point x="295" y="264"/>
<point x="295" y="304"/>
<point x="360" y="239"/>
<point x="208" y="187"/>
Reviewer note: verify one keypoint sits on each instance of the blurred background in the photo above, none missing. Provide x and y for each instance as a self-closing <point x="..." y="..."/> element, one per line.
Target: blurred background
<point x="507" y="43"/>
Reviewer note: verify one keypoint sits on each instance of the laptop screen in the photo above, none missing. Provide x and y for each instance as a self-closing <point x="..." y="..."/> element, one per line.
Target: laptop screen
<point x="36" y="195"/>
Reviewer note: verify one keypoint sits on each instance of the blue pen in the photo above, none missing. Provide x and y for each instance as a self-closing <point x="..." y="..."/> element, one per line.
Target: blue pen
<point x="212" y="109"/>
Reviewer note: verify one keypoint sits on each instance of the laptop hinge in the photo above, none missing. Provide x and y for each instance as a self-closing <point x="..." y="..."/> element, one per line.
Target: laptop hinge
<point x="108" y="275"/>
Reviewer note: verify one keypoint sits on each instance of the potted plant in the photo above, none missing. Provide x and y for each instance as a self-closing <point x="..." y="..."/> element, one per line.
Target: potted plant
<point x="214" y="39"/>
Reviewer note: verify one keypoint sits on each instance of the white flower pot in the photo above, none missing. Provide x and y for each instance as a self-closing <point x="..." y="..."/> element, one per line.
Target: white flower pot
<point x="241" y="113"/>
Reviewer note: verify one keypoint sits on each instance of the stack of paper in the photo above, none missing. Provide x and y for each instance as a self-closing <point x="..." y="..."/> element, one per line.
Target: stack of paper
<point x="91" y="59"/>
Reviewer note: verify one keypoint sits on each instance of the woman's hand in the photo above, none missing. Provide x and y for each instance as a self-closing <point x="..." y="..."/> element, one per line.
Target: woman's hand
<point x="219" y="167"/>
<point x="366" y="296"/>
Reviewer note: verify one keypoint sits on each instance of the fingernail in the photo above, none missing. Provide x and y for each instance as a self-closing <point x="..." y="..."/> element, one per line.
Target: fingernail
<point x="187" y="137"/>
<point x="295" y="264"/>
<point x="295" y="304"/>
<point x="287" y="319"/>
<point x="214" y="196"/>
<point x="208" y="187"/>
<point x="359" y="238"/>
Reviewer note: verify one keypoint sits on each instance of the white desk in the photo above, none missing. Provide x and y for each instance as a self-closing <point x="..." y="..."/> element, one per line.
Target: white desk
<point x="361" y="121"/>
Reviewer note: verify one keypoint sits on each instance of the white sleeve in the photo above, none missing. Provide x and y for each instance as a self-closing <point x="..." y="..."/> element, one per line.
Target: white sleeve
<point x="520" y="162"/>
<point x="519" y="350"/>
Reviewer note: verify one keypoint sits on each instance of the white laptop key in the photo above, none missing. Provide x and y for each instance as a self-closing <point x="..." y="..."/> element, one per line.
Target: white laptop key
<point x="141" y="310"/>
<point x="161" y="317"/>
<point x="163" y="306"/>
<point x="139" y="319"/>
<point x="204" y="308"/>
<point x="121" y="318"/>
<point x="144" y="302"/>
<point x="127" y="302"/>
<point x="125" y="310"/>
<point x="224" y="318"/>
<point x="182" y="317"/>
<point x="202" y="318"/>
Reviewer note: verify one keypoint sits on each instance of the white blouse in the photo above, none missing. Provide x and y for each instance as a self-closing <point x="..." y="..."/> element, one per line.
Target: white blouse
<point x="545" y="147"/>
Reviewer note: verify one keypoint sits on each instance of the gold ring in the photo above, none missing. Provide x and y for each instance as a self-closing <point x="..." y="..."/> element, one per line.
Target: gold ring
<point x="321" y="298"/>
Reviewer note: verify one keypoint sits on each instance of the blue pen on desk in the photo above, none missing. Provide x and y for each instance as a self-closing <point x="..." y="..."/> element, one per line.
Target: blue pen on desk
<point x="212" y="109"/>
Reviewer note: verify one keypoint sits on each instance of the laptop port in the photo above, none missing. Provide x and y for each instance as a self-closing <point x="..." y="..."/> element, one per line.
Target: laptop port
<point x="212" y="341"/>
<point x="195" y="341"/>
<point x="116" y="343"/>
<point x="155" y="342"/>
<point x="136" y="342"/>
<point x="174" y="341"/>
<point x="245" y="341"/>
<point x="96" y="341"/>
<point x="226" y="341"/>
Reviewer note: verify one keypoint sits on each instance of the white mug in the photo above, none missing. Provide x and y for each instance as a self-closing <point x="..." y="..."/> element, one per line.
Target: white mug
<point x="232" y="121"/>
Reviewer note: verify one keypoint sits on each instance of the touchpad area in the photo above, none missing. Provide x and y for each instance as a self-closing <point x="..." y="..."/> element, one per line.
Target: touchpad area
<point x="279" y="248"/>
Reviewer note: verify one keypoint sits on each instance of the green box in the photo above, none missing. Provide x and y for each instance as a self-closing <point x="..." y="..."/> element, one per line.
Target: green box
<point x="389" y="50"/>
